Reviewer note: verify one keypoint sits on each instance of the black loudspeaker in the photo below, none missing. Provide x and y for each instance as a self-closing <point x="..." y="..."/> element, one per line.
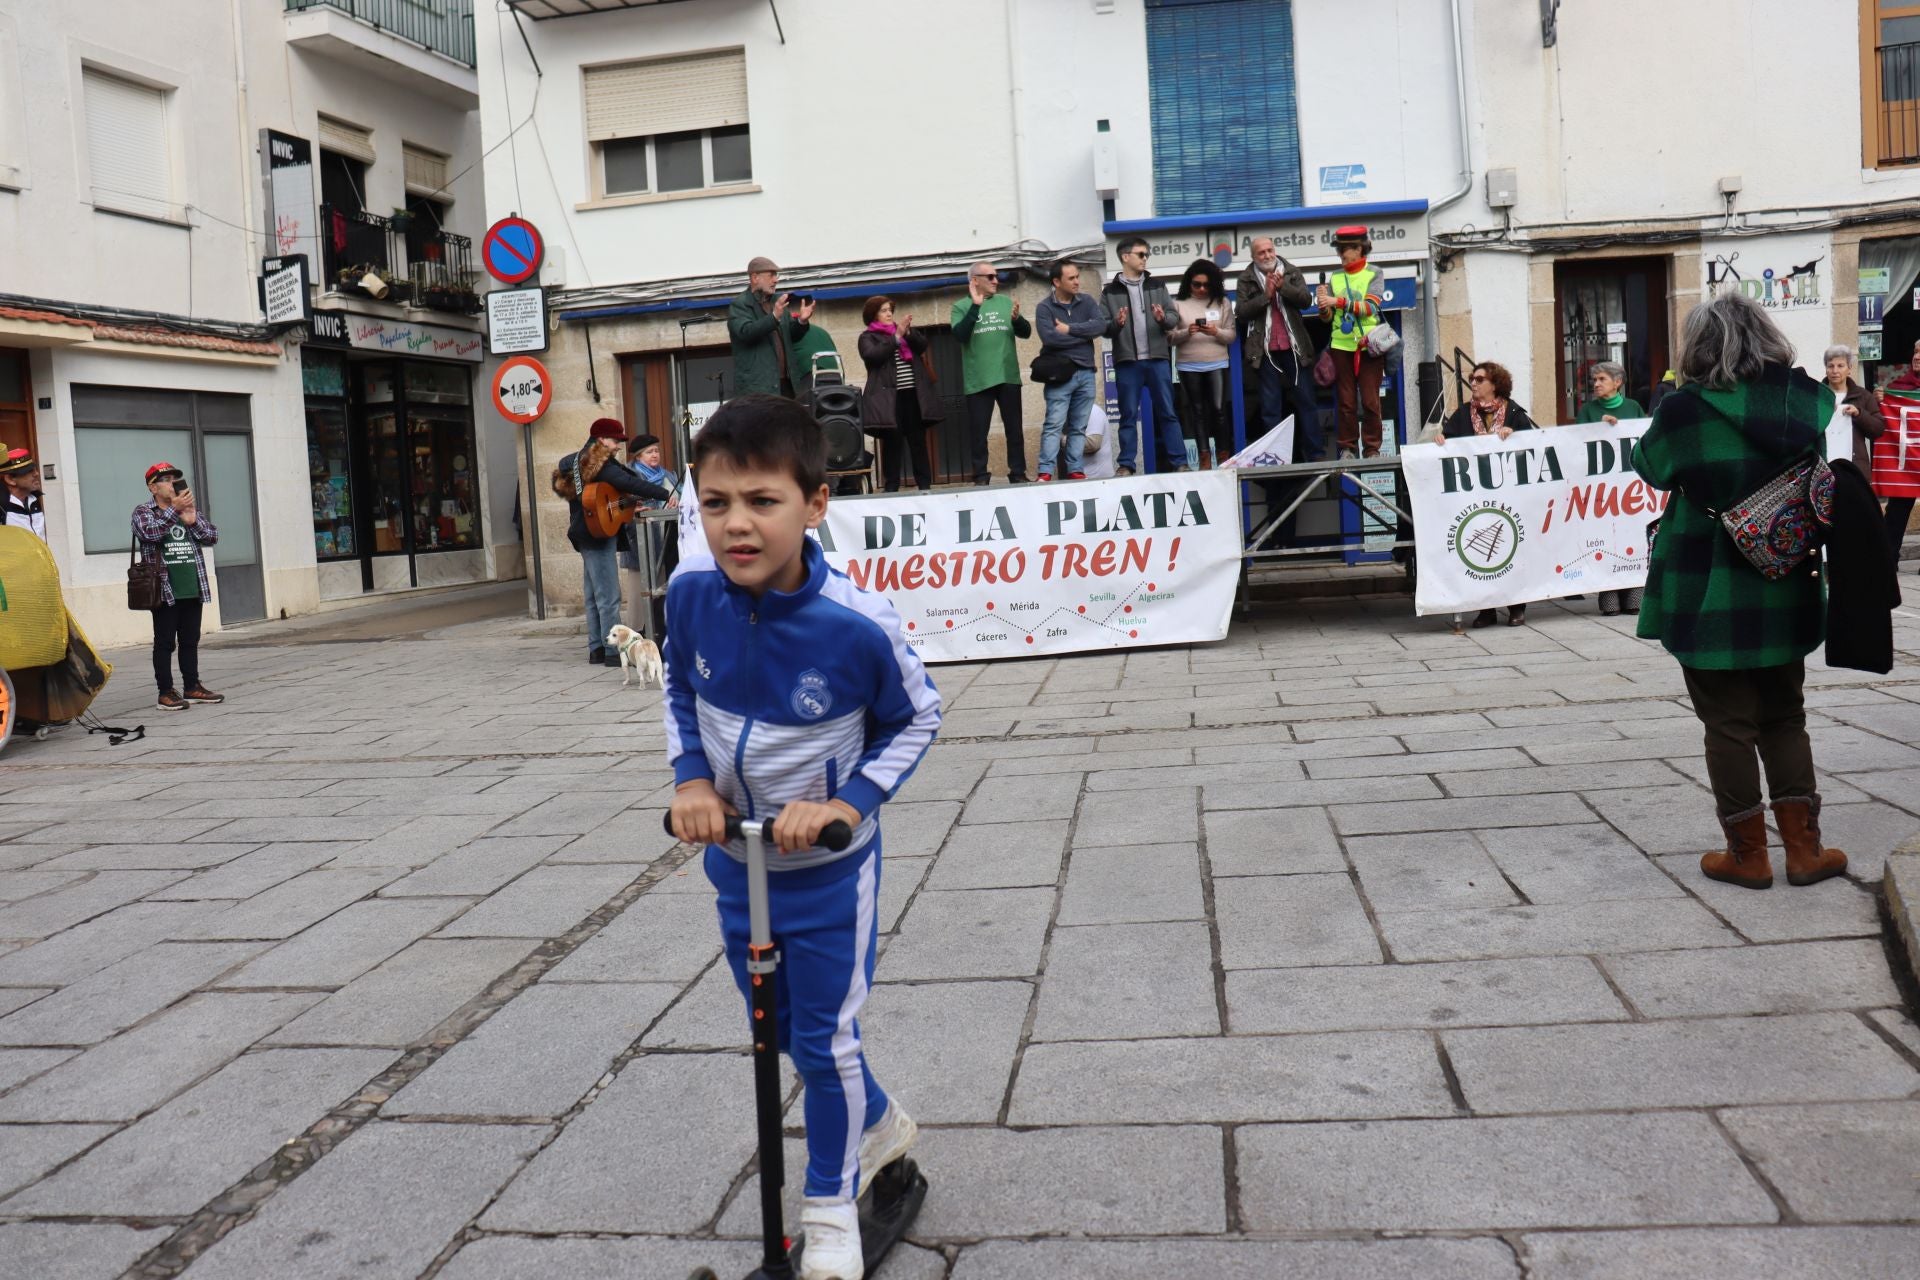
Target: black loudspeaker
<point x="836" y="408"/>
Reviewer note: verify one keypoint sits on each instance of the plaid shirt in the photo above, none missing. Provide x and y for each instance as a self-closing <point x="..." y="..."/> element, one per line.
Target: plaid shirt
<point x="1705" y="602"/>
<point x="150" y="524"/>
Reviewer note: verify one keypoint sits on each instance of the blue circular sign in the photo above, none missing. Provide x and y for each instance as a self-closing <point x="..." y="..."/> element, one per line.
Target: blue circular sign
<point x="512" y="250"/>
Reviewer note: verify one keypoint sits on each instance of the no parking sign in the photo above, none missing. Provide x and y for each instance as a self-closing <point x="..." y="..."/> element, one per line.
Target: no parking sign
<point x="512" y="250"/>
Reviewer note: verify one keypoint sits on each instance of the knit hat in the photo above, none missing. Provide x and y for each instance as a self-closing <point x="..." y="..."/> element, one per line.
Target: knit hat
<point x="761" y="264"/>
<point x="607" y="429"/>
<point x="17" y="461"/>
<point x="641" y="443"/>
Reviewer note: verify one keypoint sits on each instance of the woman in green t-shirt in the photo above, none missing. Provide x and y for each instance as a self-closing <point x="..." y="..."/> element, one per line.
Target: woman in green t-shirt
<point x="1609" y="404"/>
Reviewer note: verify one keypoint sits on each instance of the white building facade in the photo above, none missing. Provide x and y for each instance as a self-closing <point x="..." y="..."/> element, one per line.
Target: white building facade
<point x="1548" y="186"/>
<point x="137" y="209"/>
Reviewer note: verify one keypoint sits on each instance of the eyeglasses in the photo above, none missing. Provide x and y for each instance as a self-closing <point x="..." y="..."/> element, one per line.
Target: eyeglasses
<point x="1479" y="377"/>
<point x="1138" y="253"/>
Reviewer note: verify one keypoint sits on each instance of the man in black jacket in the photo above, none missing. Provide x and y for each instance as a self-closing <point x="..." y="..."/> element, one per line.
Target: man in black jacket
<point x="599" y="557"/>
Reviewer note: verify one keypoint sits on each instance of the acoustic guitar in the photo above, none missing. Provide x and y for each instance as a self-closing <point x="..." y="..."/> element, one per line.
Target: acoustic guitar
<point x="607" y="509"/>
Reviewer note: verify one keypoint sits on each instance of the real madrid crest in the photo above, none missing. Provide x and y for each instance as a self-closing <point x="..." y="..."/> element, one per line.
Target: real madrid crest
<point x="811" y="699"/>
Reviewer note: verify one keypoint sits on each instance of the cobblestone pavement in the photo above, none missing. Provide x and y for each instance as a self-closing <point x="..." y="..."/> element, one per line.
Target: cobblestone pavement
<point x="1345" y="948"/>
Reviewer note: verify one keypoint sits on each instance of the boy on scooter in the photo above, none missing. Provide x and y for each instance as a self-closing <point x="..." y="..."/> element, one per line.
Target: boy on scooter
<point x="791" y="692"/>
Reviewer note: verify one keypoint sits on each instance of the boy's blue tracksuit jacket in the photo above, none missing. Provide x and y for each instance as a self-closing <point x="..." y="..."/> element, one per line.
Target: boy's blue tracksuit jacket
<point x="808" y="696"/>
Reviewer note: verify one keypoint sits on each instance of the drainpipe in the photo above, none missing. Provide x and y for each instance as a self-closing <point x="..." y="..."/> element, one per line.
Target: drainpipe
<point x="1018" y="100"/>
<point x="249" y="164"/>
<point x="1466" y="171"/>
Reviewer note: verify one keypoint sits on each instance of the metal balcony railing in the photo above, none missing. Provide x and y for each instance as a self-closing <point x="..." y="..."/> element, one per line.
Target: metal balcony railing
<point x="440" y="271"/>
<point x="1899" y="105"/>
<point x="355" y="245"/>
<point x="444" y="26"/>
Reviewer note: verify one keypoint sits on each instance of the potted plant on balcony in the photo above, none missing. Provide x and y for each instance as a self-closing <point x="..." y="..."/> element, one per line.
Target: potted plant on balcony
<point x="448" y="296"/>
<point x="371" y="281"/>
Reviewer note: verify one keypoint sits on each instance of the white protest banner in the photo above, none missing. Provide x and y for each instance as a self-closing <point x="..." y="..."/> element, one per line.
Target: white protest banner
<point x="1840" y="434"/>
<point x="1541" y="514"/>
<point x="1046" y="568"/>
<point x="1274" y="449"/>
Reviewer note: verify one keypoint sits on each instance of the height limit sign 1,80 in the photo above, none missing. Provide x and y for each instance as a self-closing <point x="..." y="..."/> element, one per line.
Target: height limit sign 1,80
<point x="522" y="390"/>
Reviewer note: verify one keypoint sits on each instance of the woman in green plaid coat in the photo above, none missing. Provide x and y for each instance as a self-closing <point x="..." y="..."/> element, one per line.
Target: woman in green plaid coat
<point x="1742" y="415"/>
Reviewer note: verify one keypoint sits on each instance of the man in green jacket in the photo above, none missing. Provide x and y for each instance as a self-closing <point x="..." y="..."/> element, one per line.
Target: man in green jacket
<point x="985" y="325"/>
<point x="763" y="333"/>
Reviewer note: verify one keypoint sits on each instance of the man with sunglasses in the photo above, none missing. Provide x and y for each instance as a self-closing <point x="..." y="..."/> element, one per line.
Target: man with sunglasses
<point x="985" y="325"/>
<point x="1140" y="316"/>
<point x="171" y="528"/>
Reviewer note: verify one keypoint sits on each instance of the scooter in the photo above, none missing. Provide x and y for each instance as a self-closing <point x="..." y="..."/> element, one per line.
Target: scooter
<point x="889" y="1206"/>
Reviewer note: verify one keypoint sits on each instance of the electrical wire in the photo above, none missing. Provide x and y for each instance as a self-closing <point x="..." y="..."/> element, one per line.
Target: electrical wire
<point x="1518" y="239"/>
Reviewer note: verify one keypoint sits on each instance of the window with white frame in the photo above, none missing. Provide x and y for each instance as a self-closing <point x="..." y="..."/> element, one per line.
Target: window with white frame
<point x="669" y="125"/>
<point x="129" y="151"/>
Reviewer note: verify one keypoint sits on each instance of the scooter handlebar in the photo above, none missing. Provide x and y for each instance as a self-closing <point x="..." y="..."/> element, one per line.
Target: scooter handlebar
<point x="835" y="835"/>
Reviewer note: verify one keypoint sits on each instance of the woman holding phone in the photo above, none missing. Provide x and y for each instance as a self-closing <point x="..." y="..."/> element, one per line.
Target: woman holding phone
<point x="1201" y="347"/>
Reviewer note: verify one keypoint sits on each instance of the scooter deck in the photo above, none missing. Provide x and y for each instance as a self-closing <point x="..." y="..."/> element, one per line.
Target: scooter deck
<point x="887" y="1210"/>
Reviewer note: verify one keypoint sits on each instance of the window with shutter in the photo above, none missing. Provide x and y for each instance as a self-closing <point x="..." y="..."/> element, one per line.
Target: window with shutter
<point x="426" y="171"/>
<point x="347" y="139"/>
<point x="1226" y="132"/>
<point x="129" y="156"/>
<point x="667" y="95"/>
<point x="670" y="126"/>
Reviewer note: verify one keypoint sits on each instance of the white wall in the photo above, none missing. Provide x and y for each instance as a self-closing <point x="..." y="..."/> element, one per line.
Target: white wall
<point x="53" y="242"/>
<point x="1502" y="323"/>
<point x="880" y="127"/>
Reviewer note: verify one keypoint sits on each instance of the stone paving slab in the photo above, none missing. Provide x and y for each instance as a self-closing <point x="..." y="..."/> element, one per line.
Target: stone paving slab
<point x="1360" y="1075"/>
<point x="945" y="1049"/>
<point x="1244" y="842"/>
<point x="401" y="1000"/>
<point x="539" y="1055"/>
<point x="1459" y="815"/>
<point x="672" y="939"/>
<point x="75" y="1251"/>
<point x="1022" y="799"/>
<point x="1587" y="863"/>
<point x="1658" y="924"/>
<point x="1445" y="994"/>
<point x="1132" y="884"/>
<point x="139" y="1069"/>
<point x="477" y="868"/>
<point x="28" y="1151"/>
<point x="1431" y="1259"/>
<point x="600" y="1258"/>
<point x="1414" y="873"/>
<point x="1803" y="977"/>
<point x="12" y="998"/>
<point x="1292" y="921"/>
<point x="542" y="903"/>
<point x="1781" y="1253"/>
<point x="1785" y="913"/>
<point x="1689" y="1063"/>
<point x="1110" y="818"/>
<point x="974" y="933"/>
<point x="201" y="1142"/>
<point x="251" y="873"/>
<point x="999" y="855"/>
<point x="1849" y="1162"/>
<point x="289" y="907"/>
<point x="1161" y="1180"/>
<point x="17" y="1065"/>
<point x="379" y="1206"/>
<point x="678" y="1125"/>
<point x="1497" y="1174"/>
<point x="346" y="944"/>
<point x="62" y="908"/>
<point x="122" y="994"/>
<point x="1125" y="981"/>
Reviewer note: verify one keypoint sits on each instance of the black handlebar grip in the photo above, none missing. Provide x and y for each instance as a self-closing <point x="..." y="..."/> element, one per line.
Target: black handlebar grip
<point x="836" y="835"/>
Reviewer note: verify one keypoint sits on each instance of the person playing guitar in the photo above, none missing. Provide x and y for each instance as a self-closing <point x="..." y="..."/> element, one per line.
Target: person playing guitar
<point x="593" y="481"/>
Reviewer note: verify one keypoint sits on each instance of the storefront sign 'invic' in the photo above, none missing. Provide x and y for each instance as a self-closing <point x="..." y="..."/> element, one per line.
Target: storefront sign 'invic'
<point x="393" y="337"/>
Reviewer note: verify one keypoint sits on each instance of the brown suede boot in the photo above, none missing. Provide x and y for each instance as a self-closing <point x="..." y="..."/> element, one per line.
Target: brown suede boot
<point x="1807" y="861"/>
<point x="1745" y="861"/>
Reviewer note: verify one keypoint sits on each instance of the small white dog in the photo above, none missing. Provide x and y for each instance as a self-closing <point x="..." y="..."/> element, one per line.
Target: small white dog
<point x="637" y="653"/>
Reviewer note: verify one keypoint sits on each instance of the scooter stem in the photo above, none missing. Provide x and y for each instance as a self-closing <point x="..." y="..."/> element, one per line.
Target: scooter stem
<point x="763" y="963"/>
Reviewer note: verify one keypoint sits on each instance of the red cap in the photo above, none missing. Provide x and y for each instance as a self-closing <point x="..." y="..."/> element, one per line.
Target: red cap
<point x="16" y="460"/>
<point x="607" y="429"/>
<point x="1349" y="233"/>
<point x="159" y="469"/>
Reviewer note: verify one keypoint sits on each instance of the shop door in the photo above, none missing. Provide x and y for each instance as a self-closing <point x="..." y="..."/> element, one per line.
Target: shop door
<point x="1607" y="309"/>
<point x="16" y="401"/>
<point x="228" y="471"/>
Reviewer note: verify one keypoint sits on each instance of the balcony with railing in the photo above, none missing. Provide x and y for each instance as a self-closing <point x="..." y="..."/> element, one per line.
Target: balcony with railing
<point x="1898" y="108"/>
<point x="396" y="261"/>
<point x="424" y="44"/>
<point x="440" y="272"/>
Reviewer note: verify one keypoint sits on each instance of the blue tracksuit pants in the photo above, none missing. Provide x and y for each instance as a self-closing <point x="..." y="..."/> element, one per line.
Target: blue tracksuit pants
<point x="825" y="924"/>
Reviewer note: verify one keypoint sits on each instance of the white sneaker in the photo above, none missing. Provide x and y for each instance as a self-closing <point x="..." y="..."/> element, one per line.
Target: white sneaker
<point x="832" y="1229"/>
<point x="887" y="1141"/>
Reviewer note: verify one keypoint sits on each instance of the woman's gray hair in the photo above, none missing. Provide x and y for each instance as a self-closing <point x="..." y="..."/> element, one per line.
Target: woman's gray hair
<point x="1728" y="341"/>
<point x="1838" y="351"/>
<point x="1616" y="371"/>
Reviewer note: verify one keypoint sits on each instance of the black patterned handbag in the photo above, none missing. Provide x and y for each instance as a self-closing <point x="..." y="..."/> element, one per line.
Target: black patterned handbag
<point x="1780" y="525"/>
<point x="146" y="580"/>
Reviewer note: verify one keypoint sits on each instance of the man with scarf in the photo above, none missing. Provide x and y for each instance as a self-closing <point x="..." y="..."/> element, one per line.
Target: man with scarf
<point x="1277" y="346"/>
<point x="599" y="560"/>
<point x="764" y="333"/>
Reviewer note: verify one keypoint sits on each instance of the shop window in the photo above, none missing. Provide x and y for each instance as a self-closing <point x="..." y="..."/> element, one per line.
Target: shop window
<point x="1226" y="133"/>
<point x="1890" y="83"/>
<point x="113" y="465"/>
<point x="329" y="455"/>
<point x="440" y="438"/>
<point x="129" y="150"/>
<point x="667" y="125"/>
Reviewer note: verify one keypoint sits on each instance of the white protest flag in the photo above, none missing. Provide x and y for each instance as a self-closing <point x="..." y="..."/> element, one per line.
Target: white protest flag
<point x="1274" y="449"/>
<point x="692" y="539"/>
<point x="1541" y="514"/>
